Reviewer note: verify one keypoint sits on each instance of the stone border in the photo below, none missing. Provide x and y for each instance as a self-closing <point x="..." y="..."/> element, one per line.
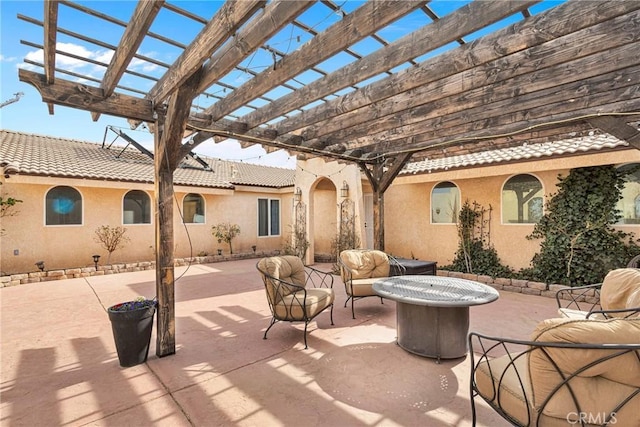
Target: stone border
<point x="510" y="285"/>
<point x="128" y="267"/>
<point x="527" y="287"/>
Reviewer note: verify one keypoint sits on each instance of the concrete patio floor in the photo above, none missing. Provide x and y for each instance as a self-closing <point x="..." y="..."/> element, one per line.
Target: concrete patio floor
<point x="59" y="362"/>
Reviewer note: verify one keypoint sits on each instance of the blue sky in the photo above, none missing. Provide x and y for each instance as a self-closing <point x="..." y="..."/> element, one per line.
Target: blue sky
<point x="31" y="115"/>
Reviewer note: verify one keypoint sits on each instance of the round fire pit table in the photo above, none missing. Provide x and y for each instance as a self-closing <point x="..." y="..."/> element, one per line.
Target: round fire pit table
<point x="433" y="312"/>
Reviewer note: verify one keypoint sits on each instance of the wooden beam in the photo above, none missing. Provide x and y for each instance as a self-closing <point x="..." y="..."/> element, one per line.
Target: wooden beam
<point x="512" y="124"/>
<point x="167" y="150"/>
<point x="408" y="114"/>
<point x="257" y="31"/>
<point x="224" y="24"/>
<point x="563" y="19"/>
<point x="618" y="127"/>
<point x="133" y="36"/>
<point x="50" y="36"/>
<point x="394" y="166"/>
<point x="467" y="19"/>
<point x="352" y="28"/>
<point x="89" y="98"/>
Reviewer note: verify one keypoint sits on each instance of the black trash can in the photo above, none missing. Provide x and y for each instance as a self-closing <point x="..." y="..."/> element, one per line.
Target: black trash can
<point x="132" y="332"/>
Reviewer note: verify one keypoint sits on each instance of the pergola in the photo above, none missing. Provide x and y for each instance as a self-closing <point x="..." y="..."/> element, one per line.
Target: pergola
<point x="373" y="83"/>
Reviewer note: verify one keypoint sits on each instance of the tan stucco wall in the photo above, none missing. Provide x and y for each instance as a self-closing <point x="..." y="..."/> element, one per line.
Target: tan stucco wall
<point x="408" y="231"/>
<point x="73" y="246"/>
<point x="320" y="183"/>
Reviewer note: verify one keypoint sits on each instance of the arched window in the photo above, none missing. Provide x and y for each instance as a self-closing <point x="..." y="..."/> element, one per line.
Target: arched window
<point x="629" y="205"/>
<point x="193" y="208"/>
<point x="445" y="203"/>
<point x="522" y="200"/>
<point x="136" y="208"/>
<point x="63" y="206"/>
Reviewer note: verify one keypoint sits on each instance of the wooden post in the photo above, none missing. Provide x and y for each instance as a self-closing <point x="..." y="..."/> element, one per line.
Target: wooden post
<point x="168" y="153"/>
<point x="380" y="180"/>
<point x="378" y="209"/>
<point x="165" y="337"/>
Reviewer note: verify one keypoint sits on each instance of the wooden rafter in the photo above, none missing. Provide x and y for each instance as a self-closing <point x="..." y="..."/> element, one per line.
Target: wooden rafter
<point x="217" y="31"/>
<point x="140" y="22"/>
<point x="423" y="40"/>
<point x="50" y="37"/>
<point x="565" y="19"/>
<point x="133" y="35"/>
<point x="363" y="22"/>
<point x="277" y="14"/>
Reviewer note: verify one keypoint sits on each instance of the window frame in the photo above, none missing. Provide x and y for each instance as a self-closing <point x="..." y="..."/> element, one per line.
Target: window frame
<point x="46" y="207"/>
<point x="635" y="203"/>
<point x="148" y="200"/>
<point x="433" y="206"/>
<point x="204" y="210"/>
<point x="534" y="196"/>
<point x="269" y="220"/>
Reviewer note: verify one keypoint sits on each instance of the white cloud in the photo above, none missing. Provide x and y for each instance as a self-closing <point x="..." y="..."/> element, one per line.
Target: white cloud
<point x="7" y="58"/>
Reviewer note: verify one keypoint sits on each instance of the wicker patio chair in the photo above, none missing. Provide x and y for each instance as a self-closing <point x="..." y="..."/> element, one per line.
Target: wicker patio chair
<point x="359" y="268"/>
<point x="617" y="296"/>
<point x="295" y="292"/>
<point x="572" y="372"/>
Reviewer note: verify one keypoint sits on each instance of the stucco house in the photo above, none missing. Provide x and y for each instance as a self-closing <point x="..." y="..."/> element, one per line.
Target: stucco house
<point x="420" y="205"/>
<point x="69" y="188"/>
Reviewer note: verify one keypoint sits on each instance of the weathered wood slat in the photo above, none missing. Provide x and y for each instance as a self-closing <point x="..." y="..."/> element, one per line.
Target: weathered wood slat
<point x="404" y="115"/>
<point x="563" y="19"/>
<point x="218" y="30"/>
<point x="50" y="36"/>
<point x="353" y="27"/>
<point x="276" y="15"/>
<point x="140" y="22"/>
<point x="536" y="136"/>
<point x="512" y="124"/>
<point x="468" y="19"/>
<point x="549" y="101"/>
<point x="618" y="127"/>
<point x="92" y="41"/>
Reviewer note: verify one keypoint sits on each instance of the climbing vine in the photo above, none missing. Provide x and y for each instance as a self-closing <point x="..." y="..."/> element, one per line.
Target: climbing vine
<point x="579" y="244"/>
<point x="475" y="253"/>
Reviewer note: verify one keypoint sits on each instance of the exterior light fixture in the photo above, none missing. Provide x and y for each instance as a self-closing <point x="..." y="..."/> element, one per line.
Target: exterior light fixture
<point x="96" y="258"/>
<point x="344" y="191"/>
<point x="40" y="265"/>
<point x="297" y="195"/>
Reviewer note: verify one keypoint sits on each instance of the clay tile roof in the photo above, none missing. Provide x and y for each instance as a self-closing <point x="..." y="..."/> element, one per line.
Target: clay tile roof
<point x="521" y="153"/>
<point x="41" y="155"/>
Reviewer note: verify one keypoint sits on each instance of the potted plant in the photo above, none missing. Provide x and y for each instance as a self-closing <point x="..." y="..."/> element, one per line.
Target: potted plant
<point x="132" y="323"/>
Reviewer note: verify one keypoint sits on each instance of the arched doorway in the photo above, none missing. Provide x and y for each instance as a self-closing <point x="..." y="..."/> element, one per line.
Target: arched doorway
<point x="323" y="222"/>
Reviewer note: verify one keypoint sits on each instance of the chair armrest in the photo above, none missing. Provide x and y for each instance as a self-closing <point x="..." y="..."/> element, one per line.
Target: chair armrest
<point x="394" y="263"/>
<point x="608" y="314"/>
<point x="318" y="278"/>
<point x="584" y="298"/>
<point x="346" y="272"/>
